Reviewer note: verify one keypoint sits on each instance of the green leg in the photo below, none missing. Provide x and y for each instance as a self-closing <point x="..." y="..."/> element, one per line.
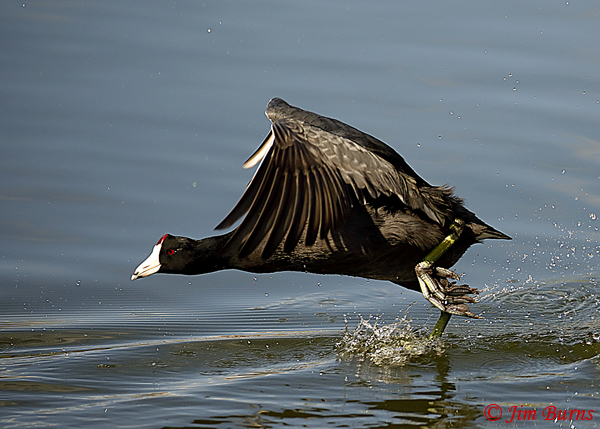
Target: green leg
<point x="439" y="327"/>
<point x="430" y="259"/>
<point x="456" y="230"/>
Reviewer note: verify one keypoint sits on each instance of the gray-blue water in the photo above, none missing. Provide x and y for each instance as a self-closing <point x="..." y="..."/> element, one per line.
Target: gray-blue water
<point x="122" y="121"/>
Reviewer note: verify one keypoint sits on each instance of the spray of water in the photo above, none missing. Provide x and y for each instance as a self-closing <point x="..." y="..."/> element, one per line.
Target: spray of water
<point x="393" y="344"/>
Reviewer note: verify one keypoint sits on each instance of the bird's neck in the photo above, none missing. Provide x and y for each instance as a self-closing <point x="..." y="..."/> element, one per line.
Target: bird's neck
<point x="209" y="255"/>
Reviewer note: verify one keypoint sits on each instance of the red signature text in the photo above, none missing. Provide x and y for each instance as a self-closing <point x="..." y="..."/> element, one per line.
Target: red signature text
<point x="494" y="413"/>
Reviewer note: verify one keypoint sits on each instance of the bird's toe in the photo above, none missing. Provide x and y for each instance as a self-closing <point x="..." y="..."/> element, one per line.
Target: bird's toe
<point x="445" y="295"/>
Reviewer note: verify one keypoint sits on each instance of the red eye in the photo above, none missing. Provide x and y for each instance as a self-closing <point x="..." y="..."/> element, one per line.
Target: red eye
<point x="170" y="252"/>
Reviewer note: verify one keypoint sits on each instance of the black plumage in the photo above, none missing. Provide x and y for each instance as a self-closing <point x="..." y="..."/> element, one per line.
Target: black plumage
<point x="328" y="198"/>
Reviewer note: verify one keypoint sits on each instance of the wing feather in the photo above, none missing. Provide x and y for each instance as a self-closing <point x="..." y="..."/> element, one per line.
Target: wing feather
<point x="314" y="216"/>
<point x="310" y="174"/>
<point x="258" y="220"/>
<point x="283" y="216"/>
<point x="300" y="213"/>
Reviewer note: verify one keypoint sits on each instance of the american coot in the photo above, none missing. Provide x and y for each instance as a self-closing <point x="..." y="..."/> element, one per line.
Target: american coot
<point x="330" y="199"/>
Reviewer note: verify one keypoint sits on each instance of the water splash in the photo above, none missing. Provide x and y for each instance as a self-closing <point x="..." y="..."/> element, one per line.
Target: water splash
<point x="393" y="344"/>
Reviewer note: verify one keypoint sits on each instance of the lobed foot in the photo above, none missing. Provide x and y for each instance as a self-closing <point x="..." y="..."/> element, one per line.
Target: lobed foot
<point x="445" y="295"/>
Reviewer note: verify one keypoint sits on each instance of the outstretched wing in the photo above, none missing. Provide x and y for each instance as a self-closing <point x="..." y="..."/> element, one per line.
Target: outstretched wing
<point x="307" y="179"/>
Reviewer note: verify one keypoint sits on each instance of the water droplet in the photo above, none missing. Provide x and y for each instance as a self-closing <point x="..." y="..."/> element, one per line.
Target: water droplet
<point x="266" y="294"/>
<point x="418" y="144"/>
<point x="439" y="137"/>
<point x="208" y="31"/>
<point x="593" y="216"/>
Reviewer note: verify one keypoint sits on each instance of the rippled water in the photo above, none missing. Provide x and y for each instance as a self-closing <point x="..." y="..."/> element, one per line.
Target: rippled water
<point x="544" y="354"/>
<point x="123" y="121"/>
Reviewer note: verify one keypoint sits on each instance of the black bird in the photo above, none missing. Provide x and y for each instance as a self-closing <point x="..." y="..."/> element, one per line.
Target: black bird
<point x="330" y="199"/>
